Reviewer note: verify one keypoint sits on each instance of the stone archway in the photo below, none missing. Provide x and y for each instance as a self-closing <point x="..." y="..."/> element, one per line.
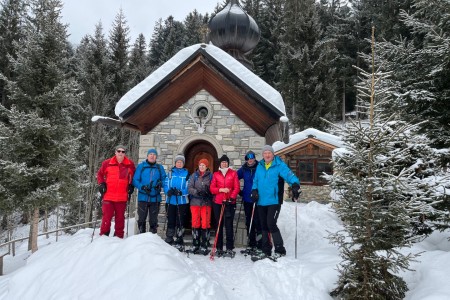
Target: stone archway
<point x="199" y="149"/>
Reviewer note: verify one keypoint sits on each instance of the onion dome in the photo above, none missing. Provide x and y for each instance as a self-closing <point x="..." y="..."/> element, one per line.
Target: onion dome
<point x="233" y="30"/>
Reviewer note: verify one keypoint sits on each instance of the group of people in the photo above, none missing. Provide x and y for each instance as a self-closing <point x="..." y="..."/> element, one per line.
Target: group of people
<point x="203" y="192"/>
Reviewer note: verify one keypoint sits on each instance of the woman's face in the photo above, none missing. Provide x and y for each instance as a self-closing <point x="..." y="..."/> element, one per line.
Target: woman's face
<point x="223" y="164"/>
<point x="202" y="167"/>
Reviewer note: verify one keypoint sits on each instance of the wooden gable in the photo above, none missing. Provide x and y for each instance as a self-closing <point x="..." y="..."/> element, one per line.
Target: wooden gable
<point x="201" y="73"/>
<point x="308" y="147"/>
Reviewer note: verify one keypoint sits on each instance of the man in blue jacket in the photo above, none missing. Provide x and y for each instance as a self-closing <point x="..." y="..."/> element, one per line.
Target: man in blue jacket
<point x="149" y="179"/>
<point x="265" y="193"/>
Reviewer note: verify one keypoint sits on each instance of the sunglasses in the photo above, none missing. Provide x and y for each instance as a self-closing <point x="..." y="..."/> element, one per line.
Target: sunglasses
<point x="121" y="151"/>
<point x="250" y="156"/>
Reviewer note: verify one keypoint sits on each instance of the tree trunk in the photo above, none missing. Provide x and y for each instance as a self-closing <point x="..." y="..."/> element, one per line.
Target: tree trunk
<point x="34" y="227"/>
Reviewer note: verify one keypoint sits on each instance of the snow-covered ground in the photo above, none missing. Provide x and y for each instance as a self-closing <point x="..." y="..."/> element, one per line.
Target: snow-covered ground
<point x="144" y="267"/>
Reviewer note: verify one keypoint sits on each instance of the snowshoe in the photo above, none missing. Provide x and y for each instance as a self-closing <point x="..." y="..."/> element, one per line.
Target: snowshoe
<point x="204" y="251"/>
<point x="179" y="247"/>
<point x="249" y="251"/>
<point x="219" y="253"/>
<point x="259" y="255"/>
<point x="229" y="253"/>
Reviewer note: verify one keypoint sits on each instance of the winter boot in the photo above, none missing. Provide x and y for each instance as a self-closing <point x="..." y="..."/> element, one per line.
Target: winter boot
<point x="169" y="235"/>
<point x="195" y="240"/>
<point x="205" y="242"/>
<point x="179" y="241"/>
<point x="141" y="227"/>
<point x="278" y="242"/>
<point x="229" y="253"/>
<point x="259" y="255"/>
<point x="154" y="229"/>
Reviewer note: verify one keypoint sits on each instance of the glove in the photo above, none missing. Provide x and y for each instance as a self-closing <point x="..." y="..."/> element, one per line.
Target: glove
<point x="296" y="191"/>
<point x="146" y="189"/>
<point x="202" y="194"/>
<point x="130" y="189"/>
<point x="254" y="195"/>
<point x="158" y="185"/>
<point x="232" y="200"/>
<point x="170" y="193"/>
<point x="102" y="188"/>
<point x="177" y="192"/>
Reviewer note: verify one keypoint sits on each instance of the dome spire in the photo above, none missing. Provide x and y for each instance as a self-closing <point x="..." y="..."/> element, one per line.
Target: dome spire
<point x="235" y="32"/>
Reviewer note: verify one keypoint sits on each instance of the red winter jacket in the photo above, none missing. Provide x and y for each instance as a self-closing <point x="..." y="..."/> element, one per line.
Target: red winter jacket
<point x="230" y="180"/>
<point x="117" y="177"/>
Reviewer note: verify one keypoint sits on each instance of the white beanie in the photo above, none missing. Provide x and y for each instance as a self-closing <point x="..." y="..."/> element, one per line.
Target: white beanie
<point x="180" y="157"/>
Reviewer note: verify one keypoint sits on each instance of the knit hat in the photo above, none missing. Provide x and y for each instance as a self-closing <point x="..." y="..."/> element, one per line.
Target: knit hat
<point x="204" y="161"/>
<point x="121" y="147"/>
<point x="250" y="155"/>
<point x="152" y="151"/>
<point x="224" y="158"/>
<point x="180" y="157"/>
<point x="267" y="148"/>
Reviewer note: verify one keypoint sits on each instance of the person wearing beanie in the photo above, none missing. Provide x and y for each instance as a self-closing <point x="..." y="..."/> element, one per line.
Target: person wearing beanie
<point x="247" y="173"/>
<point x="114" y="178"/>
<point x="265" y="193"/>
<point x="176" y="190"/>
<point x="225" y="187"/>
<point x="200" y="203"/>
<point x="149" y="179"/>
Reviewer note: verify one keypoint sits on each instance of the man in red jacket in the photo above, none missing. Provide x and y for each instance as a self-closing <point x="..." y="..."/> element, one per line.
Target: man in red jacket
<point x="114" y="179"/>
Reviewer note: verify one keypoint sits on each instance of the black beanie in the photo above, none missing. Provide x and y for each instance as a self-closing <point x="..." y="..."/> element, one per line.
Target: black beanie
<point x="224" y="158"/>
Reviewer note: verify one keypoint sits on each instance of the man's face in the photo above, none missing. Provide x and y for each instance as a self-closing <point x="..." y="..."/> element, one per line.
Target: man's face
<point x="251" y="161"/>
<point x="268" y="156"/>
<point x="151" y="157"/>
<point x="120" y="154"/>
<point x="179" y="164"/>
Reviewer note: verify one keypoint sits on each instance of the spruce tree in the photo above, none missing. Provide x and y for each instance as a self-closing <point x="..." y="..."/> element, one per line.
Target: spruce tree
<point x="42" y="146"/>
<point x="308" y="83"/>
<point x="381" y="193"/>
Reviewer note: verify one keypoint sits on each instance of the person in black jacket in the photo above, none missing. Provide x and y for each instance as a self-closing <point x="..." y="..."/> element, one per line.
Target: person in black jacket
<point x="247" y="172"/>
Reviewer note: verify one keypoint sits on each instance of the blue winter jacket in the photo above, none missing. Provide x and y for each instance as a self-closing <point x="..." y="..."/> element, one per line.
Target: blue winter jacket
<point x="247" y="173"/>
<point x="152" y="175"/>
<point x="177" y="178"/>
<point x="266" y="181"/>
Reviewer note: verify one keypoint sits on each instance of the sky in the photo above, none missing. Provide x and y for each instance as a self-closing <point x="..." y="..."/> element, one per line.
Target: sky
<point x="141" y="15"/>
<point x="145" y="267"/>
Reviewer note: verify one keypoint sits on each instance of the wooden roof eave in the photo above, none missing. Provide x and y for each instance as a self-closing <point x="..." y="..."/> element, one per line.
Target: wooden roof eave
<point x="303" y="143"/>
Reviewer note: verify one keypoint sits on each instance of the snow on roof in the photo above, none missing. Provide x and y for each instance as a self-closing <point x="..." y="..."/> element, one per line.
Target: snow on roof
<point x="302" y="135"/>
<point x="258" y="85"/>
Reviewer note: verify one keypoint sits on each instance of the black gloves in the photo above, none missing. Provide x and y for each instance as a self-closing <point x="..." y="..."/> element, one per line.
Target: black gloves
<point x="296" y="191"/>
<point x="102" y="188"/>
<point x="146" y="189"/>
<point x="203" y="194"/>
<point x="254" y="195"/>
<point x="174" y="192"/>
<point x="158" y="185"/>
<point x="130" y="189"/>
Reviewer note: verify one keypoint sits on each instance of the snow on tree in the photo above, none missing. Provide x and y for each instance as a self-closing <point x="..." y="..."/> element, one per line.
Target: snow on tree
<point x="381" y="194"/>
<point x="41" y="149"/>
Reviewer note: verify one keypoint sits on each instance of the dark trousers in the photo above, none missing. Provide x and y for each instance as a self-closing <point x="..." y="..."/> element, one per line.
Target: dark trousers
<point x="227" y="220"/>
<point x="176" y="214"/>
<point x="151" y="209"/>
<point x="256" y="225"/>
<point x="268" y="216"/>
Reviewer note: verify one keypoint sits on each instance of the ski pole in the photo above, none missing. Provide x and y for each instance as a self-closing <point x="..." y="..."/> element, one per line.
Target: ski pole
<point x="179" y="217"/>
<point x="237" y="223"/>
<point x="296" y="231"/>
<point x="128" y="212"/>
<point x="98" y="199"/>
<point x="213" y="251"/>
<point x="251" y="223"/>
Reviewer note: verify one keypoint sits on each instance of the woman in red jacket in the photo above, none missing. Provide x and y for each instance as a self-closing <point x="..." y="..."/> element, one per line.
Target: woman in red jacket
<point x="225" y="188"/>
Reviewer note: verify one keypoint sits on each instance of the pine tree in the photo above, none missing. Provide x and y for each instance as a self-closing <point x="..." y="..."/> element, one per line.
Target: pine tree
<point x="92" y="65"/>
<point x="138" y="62"/>
<point x="12" y="17"/>
<point x="378" y="179"/>
<point x="308" y="83"/>
<point x="421" y="69"/>
<point x="42" y="147"/>
<point x="196" y="28"/>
